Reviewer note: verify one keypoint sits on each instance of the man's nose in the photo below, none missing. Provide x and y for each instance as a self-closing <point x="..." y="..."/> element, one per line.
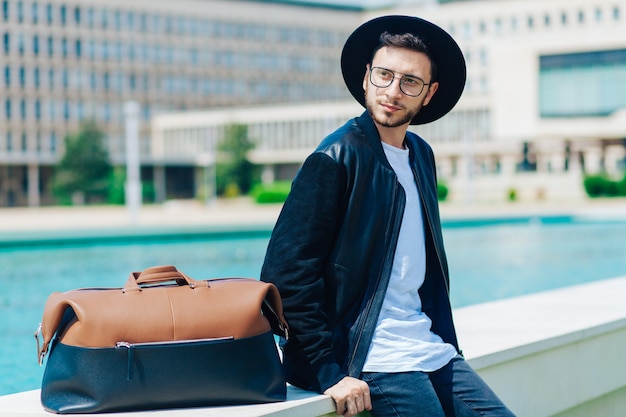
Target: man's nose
<point x="394" y="88"/>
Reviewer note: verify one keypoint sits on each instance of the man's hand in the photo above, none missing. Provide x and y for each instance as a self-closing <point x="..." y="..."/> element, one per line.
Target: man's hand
<point x="351" y="396"/>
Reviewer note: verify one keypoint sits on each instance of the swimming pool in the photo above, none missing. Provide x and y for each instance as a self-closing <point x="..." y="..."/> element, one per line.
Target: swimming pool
<point x="488" y="260"/>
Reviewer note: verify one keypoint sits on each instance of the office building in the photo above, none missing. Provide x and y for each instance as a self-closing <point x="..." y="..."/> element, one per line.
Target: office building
<point x="545" y="96"/>
<point x="544" y="103"/>
<point x="65" y="61"/>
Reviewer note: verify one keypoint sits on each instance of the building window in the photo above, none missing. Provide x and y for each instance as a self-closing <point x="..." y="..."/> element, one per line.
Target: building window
<point x="616" y="13"/>
<point x="143" y="22"/>
<point x="23" y="109"/>
<point x="77" y="15"/>
<point x="7" y="108"/>
<point x="52" y="111"/>
<point x="92" y="49"/>
<point x="20" y="11"/>
<point x="130" y="20"/>
<point x="49" y="13"/>
<point x="78" y="48"/>
<point x="5" y="10"/>
<point x="63" y="13"/>
<point x="119" y="55"/>
<point x="7" y="76"/>
<point x="105" y="18"/>
<point x="22" y="75"/>
<point x="35" y="13"/>
<point x="35" y="45"/>
<point x="37" y="109"/>
<point x="117" y="16"/>
<point x="50" y="46"/>
<point x="21" y="47"/>
<point x="6" y="38"/>
<point x="36" y="77"/>
<point x="66" y="110"/>
<point x="599" y="77"/>
<point x="91" y="17"/>
<point x="546" y="20"/>
<point x="64" y="51"/>
<point x="51" y="78"/>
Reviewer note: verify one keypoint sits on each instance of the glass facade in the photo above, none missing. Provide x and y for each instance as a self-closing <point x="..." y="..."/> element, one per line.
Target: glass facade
<point x="582" y="84"/>
<point x="65" y="61"/>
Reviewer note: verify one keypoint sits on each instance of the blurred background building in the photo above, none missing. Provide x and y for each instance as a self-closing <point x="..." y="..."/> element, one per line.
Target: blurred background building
<point x="545" y="99"/>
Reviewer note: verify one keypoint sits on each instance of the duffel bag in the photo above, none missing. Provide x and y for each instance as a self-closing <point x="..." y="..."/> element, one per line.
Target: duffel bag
<point x="164" y="340"/>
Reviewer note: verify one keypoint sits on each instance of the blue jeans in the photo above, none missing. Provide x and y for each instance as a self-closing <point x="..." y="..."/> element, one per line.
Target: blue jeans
<point x="455" y="390"/>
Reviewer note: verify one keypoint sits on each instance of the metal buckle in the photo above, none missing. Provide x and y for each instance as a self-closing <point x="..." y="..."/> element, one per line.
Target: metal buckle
<point x="40" y="352"/>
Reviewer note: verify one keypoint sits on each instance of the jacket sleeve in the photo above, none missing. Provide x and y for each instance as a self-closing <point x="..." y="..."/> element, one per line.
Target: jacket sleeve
<point x="294" y="262"/>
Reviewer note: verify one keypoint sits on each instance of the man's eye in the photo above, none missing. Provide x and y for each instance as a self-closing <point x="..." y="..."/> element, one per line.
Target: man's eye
<point x="385" y="74"/>
<point x="411" y="81"/>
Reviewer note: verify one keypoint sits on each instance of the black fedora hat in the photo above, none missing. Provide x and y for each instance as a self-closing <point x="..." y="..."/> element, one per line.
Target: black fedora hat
<point x="451" y="70"/>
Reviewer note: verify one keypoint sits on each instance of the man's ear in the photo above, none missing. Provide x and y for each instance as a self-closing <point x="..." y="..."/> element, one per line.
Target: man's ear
<point x="365" y="77"/>
<point x="432" y="89"/>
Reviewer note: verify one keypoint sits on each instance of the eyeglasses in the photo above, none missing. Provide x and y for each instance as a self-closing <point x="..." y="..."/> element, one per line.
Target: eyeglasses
<point x="409" y="85"/>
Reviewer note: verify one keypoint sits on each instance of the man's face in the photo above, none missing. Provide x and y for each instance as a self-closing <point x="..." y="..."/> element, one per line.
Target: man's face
<point x="389" y="106"/>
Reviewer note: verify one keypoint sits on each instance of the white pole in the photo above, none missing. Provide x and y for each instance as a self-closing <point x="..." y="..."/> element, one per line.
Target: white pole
<point x="132" y="187"/>
<point x="468" y="141"/>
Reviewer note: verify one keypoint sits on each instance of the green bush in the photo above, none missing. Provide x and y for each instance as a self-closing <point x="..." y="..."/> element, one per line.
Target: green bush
<point x="512" y="194"/>
<point x="271" y="193"/>
<point x="603" y="186"/>
<point x="442" y="192"/>
<point x="621" y="186"/>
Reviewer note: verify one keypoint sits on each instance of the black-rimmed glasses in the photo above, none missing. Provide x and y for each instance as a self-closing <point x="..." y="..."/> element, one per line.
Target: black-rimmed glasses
<point x="409" y="85"/>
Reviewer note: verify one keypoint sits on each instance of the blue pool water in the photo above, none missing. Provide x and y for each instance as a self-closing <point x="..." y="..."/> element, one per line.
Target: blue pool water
<point x="488" y="260"/>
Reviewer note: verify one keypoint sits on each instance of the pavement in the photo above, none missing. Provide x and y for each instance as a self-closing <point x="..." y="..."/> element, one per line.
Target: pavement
<point x="242" y="213"/>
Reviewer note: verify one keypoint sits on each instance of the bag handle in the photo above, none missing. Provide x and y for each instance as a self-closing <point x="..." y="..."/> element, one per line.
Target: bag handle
<point x="159" y="275"/>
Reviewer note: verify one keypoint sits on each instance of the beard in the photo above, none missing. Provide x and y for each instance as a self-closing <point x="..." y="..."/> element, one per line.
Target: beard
<point x="386" y="119"/>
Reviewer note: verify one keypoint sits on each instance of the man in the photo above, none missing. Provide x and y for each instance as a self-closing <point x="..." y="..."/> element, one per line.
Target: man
<point x="357" y="252"/>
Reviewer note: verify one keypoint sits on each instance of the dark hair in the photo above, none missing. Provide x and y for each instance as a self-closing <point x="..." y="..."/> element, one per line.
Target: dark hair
<point x="408" y="41"/>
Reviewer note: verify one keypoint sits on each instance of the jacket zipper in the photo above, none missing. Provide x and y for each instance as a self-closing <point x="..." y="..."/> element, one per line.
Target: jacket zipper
<point x="368" y="306"/>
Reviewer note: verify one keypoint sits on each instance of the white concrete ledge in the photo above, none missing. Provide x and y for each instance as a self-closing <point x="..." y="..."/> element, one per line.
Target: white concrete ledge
<point x="555" y="353"/>
<point x="299" y="403"/>
<point x="552" y="353"/>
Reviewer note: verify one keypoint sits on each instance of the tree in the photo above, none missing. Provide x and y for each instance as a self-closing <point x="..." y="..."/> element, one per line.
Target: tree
<point x="84" y="172"/>
<point x="235" y="173"/>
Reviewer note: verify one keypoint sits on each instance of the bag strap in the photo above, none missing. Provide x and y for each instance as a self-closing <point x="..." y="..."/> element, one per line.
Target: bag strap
<point x="159" y="275"/>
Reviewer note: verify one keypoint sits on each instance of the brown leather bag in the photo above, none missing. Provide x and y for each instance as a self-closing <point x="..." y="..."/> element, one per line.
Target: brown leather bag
<point x="141" y="335"/>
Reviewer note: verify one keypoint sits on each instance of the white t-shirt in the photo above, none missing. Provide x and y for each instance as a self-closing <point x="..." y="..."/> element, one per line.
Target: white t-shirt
<point x="403" y="340"/>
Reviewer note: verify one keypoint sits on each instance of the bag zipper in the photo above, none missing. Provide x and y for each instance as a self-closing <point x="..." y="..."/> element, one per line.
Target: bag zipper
<point x="131" y="348"/>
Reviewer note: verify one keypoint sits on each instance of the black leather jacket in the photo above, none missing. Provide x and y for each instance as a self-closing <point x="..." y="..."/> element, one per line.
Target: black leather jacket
<point x="332" y="248"/>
